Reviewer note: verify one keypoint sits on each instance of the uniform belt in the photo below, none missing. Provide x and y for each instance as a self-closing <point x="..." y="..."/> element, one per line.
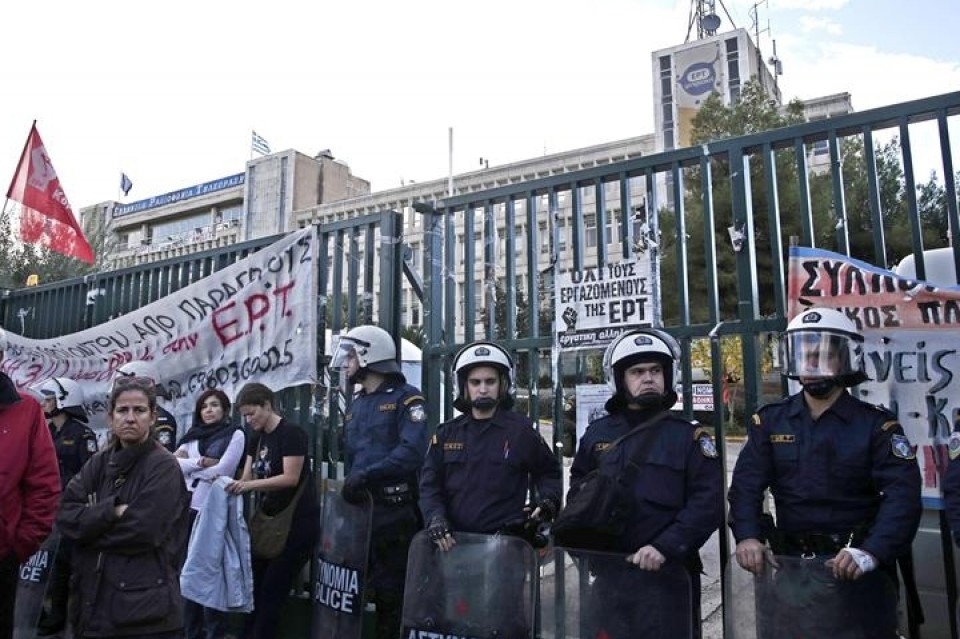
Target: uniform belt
<point x="817" y="543"/>
<point x="396" y="494"/>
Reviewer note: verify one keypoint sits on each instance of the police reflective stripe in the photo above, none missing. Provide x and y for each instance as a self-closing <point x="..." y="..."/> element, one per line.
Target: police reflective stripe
<point x="890" y="424"/>
<point x="756" y="419"/>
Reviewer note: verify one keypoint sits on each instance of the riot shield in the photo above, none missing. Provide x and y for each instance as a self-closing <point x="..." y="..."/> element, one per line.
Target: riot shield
<point x="484" y="587"/>
<point x="34" y="577"/>
<point x="340" y="565"/>
<point x="588" y="595"/>
<point x="799" y="597"/>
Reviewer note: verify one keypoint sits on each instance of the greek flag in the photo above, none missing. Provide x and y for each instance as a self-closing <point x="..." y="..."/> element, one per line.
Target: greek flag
<point x="125" y="184"/>
<point x="259" y="145"/>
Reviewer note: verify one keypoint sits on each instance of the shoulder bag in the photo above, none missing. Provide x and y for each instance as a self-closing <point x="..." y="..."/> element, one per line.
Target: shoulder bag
<point x="268" y="533"/>
<point x="594" y="518"/>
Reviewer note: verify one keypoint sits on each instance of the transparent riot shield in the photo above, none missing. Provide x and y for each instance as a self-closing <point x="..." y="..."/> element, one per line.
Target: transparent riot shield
<point x="34" y="577"/>
<point x="483" y="587"/>
<point x="340" y="565"/>
<point x="586" y="594"/>
<point x="799" y="598"/>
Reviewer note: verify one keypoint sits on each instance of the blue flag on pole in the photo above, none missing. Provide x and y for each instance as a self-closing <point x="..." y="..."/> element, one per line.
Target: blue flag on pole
<point x="125" y="184"/>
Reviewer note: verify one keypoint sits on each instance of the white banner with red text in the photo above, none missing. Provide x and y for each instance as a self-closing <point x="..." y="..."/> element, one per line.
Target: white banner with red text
<point x="253" y="321"/>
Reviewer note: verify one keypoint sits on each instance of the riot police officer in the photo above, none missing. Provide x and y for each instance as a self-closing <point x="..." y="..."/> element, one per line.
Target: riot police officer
<point x="62" y="402"/>
<point x="165" y="428"/>
<point x="386" y="437"/>
<point x="844" y="479"/>
<point x="673" y="472"/>
<point x="481" y="464"/>
<point x="479" y="470"/>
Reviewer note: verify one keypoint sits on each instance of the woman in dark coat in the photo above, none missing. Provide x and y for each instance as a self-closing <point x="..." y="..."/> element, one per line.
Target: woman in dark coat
<point x="127" y="512"/>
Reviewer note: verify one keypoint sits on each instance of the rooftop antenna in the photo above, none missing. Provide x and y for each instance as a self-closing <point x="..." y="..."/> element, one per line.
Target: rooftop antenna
<point x="703" y="16"/>
<point x="776" y="65"/>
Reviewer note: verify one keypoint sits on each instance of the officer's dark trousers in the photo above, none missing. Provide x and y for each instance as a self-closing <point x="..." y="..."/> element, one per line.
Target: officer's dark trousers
<point x="393" y="530"/>
<point x="8" y="592"/>
<point x="806" y="601"/>
<point x="272" y="579"/>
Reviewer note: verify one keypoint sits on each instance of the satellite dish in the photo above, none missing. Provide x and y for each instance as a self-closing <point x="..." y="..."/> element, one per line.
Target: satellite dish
<point x="710" y="22"/>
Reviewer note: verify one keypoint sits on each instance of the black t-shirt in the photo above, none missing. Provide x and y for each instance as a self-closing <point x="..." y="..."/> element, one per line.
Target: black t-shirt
<point x="267" y="451"/>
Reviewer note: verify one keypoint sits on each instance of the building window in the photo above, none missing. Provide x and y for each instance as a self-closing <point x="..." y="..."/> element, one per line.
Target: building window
<point x="590" y="229"/>
<point x="666" y="101"/>
<point x="733" y="70"/>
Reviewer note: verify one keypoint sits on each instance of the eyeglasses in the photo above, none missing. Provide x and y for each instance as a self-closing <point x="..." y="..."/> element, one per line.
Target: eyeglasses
<point x="133" y="381"/>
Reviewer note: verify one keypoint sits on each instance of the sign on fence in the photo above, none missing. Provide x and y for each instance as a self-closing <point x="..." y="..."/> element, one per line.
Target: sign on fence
<point x="594" y="305"/>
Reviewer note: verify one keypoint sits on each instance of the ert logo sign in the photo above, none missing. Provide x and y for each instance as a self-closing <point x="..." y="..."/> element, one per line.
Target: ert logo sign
<point x="698" y="78"/>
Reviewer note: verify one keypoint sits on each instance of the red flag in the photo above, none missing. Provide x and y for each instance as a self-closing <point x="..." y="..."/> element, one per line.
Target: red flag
<point x="46" y="217"/>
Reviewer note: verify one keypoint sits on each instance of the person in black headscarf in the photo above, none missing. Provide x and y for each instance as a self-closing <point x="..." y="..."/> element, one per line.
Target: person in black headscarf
<point x="212" y="447"/>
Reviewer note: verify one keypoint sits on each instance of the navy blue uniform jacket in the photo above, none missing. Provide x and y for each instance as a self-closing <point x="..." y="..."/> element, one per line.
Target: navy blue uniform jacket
<point x="676" y="485"/>
<point x="477" y="473"/>
<point x="386" y="433"/>
<point x="851" y="467"/>
<point x="951" y="485"/>
<point x="75" y="443"/>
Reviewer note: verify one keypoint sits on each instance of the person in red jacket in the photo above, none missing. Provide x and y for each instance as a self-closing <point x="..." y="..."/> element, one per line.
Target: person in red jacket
<point x="29" y="488"/>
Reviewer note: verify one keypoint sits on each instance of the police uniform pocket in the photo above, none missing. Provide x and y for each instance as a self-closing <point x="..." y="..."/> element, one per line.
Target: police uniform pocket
<point x="662" y="485"/>
<point x="454" y="463"/>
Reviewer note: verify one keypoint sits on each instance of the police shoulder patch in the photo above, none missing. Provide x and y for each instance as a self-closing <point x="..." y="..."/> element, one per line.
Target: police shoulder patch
<point x="707" y="447"/>
<point x="91" y="445"/>
<point x="901" y="447"/>
<point x="953" y="445"/>
<point x="417" y="413"/>
<point x="163" y="437"/>
<point x="756" y="419"/>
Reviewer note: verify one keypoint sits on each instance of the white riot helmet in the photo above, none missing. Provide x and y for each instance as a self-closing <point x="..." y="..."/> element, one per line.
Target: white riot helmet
<point x="636" y="347"/>
<point x="823" y="344"/>
<point x="374" y="349"/>
<point x="67" y="395"/>
<point x="482" y="354"/>
<point x="147" y="370"/>
<point x="138" y="368"/>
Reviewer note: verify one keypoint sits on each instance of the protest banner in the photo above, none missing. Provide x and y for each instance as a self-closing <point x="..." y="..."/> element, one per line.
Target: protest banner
<point x="253" y="321"/>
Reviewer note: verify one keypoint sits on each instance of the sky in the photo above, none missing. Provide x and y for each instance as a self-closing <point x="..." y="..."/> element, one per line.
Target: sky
<point x="169" y="92"/>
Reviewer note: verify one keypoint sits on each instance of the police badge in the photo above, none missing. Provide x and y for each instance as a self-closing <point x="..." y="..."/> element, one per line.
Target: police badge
<point x="901" y="447"/>
<point x="953" y="445"/>
<point x="417" y="414"/>
<point x="707" y="447"/>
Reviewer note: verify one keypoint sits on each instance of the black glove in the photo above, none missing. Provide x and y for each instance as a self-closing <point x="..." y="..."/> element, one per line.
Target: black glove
<point x="548" y="510"/>
<point x="438" y="529"/>
<point x="354" y="487"/>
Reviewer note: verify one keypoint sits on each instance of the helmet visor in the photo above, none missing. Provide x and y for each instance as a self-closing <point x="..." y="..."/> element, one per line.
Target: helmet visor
<point x="820" y="354"/>
<point x="344" y="350"/>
